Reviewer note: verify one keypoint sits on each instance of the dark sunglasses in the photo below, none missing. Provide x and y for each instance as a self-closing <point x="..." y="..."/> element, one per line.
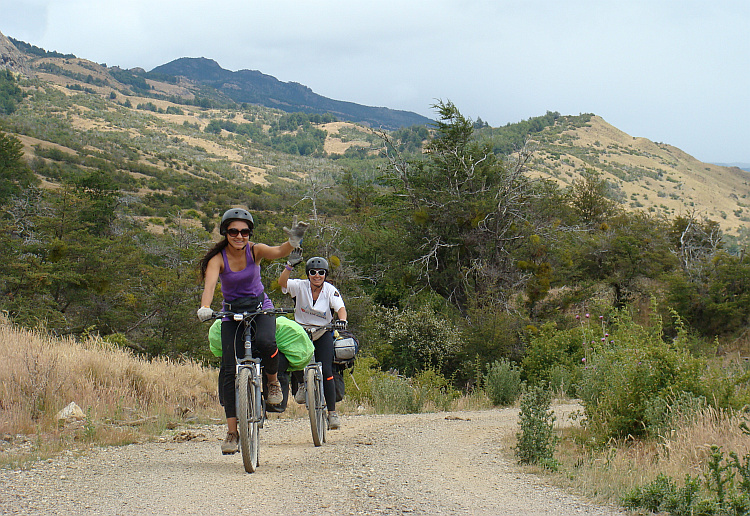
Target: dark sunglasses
<point x="317" y="272"/>
<point x="233" y="232"/>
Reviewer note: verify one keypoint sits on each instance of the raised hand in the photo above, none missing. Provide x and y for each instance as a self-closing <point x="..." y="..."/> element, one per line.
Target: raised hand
<point x="295" y="257"/>
<point x="296" y="232"/>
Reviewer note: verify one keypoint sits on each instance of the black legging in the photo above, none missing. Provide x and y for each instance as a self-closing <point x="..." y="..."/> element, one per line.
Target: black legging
<point x="324" y="355"/>
<point x="263" y="329"/>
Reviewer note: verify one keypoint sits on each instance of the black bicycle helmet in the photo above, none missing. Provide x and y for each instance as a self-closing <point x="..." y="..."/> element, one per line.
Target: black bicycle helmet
<point x="235" y="214"/>
<point x="316" y="262"/>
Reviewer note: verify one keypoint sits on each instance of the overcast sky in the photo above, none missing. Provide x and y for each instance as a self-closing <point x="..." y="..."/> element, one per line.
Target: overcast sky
<point x="676" y="72"/>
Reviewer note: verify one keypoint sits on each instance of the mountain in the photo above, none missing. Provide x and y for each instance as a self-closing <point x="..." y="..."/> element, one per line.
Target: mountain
<point x="84" y="109"/>
<point x="254" y="87"/>
<point x="10" y="58"/>
<point x="743" y="166"/>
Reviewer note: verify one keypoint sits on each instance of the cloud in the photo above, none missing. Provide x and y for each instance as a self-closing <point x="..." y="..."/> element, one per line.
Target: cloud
<point x="652" y="69"/>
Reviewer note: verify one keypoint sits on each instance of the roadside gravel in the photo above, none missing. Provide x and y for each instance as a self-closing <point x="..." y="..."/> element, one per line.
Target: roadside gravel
<point x="440" y="463"/>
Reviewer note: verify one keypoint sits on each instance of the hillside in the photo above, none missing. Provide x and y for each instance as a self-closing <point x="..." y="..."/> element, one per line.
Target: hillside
<point x="655" y="177"/>
<point x="175" y="119"/>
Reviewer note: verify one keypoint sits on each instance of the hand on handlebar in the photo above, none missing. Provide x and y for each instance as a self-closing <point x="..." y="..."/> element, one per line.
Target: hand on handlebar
<point x="205" y="313"/>
<point x="339" y="325"/>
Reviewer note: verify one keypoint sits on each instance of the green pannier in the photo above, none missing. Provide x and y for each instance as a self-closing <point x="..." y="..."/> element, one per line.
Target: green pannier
<point x="291" y="339"/>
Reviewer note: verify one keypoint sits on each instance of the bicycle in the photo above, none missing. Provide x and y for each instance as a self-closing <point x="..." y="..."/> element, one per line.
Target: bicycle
<point x="248" y="382"/>
<point x="317" y="408"/>
<point x="315" y="401"/>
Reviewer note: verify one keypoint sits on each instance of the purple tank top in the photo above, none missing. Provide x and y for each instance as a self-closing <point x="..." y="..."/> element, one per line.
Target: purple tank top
<point x="244" y="283"/>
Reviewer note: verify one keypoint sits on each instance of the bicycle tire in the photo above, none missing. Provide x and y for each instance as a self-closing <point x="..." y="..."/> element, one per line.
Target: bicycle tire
<point x="247" y="422"/>
<point x="315" y="409"/>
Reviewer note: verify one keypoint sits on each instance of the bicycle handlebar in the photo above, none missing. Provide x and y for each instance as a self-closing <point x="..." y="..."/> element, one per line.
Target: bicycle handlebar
<point x="248" y="314"/>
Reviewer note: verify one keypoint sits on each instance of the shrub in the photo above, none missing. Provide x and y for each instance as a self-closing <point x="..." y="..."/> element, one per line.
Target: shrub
<point x="434" y="390"/>
<point x="562" y="380"/>
<point x="551" y="348"/>
<point x="664" y="413"/>
<point x="503" y="382"/>
<point x="392" y="394"/>
<point x="536" y="440"/>
<point x="414" y="340"/>
<point x="652" y="495"/>
<point x="624" y="375"/>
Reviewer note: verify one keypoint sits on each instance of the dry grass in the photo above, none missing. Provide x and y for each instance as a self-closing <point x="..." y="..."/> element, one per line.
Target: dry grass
<point x="608" y="474"/>
<point x="125" y="398"/>
<point x="687" y="184"/>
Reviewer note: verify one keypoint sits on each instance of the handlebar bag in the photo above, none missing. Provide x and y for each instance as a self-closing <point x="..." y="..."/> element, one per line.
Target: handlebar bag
<point x="345" y="347"/>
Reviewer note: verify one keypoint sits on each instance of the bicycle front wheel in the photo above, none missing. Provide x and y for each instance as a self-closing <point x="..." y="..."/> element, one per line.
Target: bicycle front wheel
<point x="315" y="406"/>
<point x="247" y="422"/>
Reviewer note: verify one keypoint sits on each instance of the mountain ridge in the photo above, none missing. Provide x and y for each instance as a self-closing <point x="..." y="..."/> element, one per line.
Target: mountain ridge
<point x="253" y="86"/>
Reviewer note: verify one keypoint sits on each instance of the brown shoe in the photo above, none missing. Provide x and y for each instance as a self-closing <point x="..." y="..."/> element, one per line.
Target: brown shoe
<point x="231" y="444"/>
<point x="275" y="397"/>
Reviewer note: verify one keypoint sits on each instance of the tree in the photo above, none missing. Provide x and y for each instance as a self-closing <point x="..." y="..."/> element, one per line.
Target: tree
<point x="10" y="93"/>
<point x="462" y="210"/>
<point x="590" y="197"/>
<point x="631" y="246"/>
<point x="696" y="242"/>
<point x="14" y="174"/>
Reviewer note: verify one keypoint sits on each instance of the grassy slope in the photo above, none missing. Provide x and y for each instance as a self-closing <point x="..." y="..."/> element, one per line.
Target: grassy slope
<point x="660" y="178"/>
<point x="651" y="176"/>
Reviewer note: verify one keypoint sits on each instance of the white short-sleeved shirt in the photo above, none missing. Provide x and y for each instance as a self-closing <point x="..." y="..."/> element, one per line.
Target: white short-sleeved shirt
<point x="308" y="313"/>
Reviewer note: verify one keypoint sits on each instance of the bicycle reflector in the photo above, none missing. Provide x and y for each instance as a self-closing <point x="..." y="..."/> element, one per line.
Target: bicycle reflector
<point x="237" y="317"/>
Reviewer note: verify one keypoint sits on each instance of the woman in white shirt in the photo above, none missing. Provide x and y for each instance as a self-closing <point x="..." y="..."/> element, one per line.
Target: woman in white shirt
<point x="315" y="299"/>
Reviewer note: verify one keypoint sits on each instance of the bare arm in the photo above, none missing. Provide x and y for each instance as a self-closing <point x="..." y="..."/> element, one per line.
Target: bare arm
<point x="263" y="251"/>
<point x="284" y="277"/>
<point x="212" y="278"/>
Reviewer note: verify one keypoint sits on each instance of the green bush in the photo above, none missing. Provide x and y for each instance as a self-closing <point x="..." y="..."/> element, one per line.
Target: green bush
<point x="389" y="393"/>
<point x="411" y="340"/>
<point x="652" y="495"/>
<point x="553" y="348"/>
<point x="359" y="382"/>
<point x="433" y="389"/>
<point x="392" y="394"/>
<point x="665" y="413"/>
<point x="503" y="382"/>
<point x="562" y="380"/>
<point x="717" y="494"/>
<point x="624" y="375"/>
<point x="536" y="440"/>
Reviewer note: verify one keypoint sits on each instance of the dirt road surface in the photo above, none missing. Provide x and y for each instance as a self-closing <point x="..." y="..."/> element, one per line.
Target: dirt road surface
<point x="441" y="463"/>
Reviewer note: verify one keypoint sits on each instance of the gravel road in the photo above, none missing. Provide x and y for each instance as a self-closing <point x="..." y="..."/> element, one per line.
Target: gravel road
<point x="441" y="463"/>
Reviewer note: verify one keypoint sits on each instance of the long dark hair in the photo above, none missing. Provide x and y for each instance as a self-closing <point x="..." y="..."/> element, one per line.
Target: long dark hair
<point x="216" y="249"/>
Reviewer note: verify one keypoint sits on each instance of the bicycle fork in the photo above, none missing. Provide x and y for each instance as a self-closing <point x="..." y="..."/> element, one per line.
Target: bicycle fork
<point x="255" y="386"/>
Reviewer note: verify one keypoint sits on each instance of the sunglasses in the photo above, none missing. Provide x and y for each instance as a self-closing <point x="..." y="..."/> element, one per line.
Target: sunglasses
<point x="317" y="272"/>
<point x="233" y="232"/>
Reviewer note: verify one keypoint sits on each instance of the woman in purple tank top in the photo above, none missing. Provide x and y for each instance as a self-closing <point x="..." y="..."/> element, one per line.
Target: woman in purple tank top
<point x="235" y="261"/>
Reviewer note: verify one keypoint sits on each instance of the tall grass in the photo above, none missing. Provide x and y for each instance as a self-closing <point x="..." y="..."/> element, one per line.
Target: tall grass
<point x="123" y="396"/>
<point x="606" y="473"/>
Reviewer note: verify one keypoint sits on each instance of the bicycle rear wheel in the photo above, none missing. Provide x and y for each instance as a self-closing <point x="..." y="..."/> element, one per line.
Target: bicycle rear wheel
<point x="315" y="406"/>
<point x="247" y="422"/>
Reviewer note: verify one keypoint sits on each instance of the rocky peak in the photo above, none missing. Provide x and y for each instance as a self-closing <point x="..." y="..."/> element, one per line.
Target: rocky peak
<point x="10" y="58"/>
